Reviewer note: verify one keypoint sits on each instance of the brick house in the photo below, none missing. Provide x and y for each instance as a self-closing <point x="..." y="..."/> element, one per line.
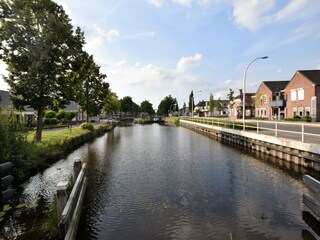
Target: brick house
<point x="302" y="95"/>
<point x="236" y="110"/>
<point x="269" y="100"/>
<point x="27" y="114"/>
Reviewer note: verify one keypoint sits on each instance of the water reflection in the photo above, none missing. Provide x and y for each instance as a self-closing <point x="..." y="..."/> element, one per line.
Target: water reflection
<point x="157" y="182"/>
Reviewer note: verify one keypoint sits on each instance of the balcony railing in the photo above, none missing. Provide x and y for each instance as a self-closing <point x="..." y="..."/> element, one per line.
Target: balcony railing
<point x="277" y="103"/>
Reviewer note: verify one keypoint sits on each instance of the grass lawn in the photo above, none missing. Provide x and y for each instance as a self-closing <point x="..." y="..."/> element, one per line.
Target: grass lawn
<point x="55" y="144"/>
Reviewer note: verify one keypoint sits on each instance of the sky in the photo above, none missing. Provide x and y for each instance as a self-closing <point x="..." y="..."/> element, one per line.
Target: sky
<point x="150" y="49"/>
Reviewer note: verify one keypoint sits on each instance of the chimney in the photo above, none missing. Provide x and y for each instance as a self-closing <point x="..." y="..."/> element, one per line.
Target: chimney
<point x="240" y="90"/>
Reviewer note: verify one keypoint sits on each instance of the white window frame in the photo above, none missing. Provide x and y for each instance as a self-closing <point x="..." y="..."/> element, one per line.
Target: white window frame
<point x="300" y="93"/>
<point x="293" y="94"/>
<point x="294" y="110"/>
<point x="307" y="109"/>
<point x="300" y="111"/>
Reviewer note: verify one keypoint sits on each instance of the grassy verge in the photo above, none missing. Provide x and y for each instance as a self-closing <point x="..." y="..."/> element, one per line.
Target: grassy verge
<point x="173" y="120"/>
<point x="55" y="145"/>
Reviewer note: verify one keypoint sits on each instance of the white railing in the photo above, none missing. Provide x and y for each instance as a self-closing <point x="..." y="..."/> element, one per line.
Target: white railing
<point x="304" y="132"/>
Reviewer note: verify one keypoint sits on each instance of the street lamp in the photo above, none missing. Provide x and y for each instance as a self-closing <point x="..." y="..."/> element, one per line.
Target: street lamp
<point x="244" y="87"/>
<point x="193" y="101"/>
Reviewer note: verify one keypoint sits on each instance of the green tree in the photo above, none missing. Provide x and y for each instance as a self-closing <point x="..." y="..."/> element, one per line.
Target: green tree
<point x="167" y="104"/>
<point x="111" y="103"/>
<point x="230" y="98"/>
<point x="211" y="104"/>
<point x="127" y="105"/>
<point x="61" y="115"/>
<point x="92" y="91"/>
<point x="184" y="108"/>
<point x="219" y="105"/>
<point x="191" y="102"/>
<point x="146" y="106"/>
<point x="38" y="45"/>
<point x="69" y="115"/>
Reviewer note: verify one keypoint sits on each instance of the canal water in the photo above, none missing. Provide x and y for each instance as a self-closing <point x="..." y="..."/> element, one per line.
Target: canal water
<point x="159" y="182"/>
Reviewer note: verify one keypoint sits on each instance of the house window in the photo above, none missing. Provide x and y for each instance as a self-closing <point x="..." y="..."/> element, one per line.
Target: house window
<point x="294" y="112"/>
<point x="301" y="94"/>
<point x="300" y="111"/>
<point x="263" y="99"/>
<point x="293" y="95"/>
<point x="307" y="109"/>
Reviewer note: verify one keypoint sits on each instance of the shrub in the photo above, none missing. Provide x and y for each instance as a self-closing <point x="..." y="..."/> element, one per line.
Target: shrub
<point x="50" y="114"/>
<point x="87" y="126"/>
<point x="70" y="115"/>
<point x="53" y="121"/>
<point x="46" y="121"/>
<point x="61" y="114"/>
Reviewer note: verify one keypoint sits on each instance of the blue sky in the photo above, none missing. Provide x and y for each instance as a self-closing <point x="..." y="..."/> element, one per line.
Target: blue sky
<point x="152" y="48"/>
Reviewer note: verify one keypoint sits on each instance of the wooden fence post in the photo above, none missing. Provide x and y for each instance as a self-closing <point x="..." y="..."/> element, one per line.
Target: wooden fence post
<point x="77" y="165"/>
<point x="62" y="198"/>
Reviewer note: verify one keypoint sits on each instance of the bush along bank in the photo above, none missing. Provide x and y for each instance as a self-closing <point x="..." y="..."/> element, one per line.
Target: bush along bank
<point x="55" y="144"/>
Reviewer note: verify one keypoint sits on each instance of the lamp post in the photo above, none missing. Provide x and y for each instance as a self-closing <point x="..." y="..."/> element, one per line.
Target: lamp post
<point x="244" y="88"/>
<point x="193" y="101"/>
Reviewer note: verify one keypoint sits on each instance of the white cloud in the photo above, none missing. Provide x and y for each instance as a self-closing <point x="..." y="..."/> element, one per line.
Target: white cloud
<point x="253" y="14"/>
<point x="187" y="63"/>
<point x="183" y="2"/>
<point x="249" y="13"/>
<point x="142" y="35"/>
<point x="157" y="3"/>
<point x="188" y="3"/>
<point x="289" y="10"/>
<point x="112" y="34"/>
<point x="148" y="81"/>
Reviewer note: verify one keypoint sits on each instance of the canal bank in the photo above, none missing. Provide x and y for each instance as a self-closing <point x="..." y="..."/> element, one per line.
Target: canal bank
<point x="31" y="213"/>
<point x="296" y="152"/>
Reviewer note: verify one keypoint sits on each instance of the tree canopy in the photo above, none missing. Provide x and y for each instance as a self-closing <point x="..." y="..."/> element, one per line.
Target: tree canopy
<point x="127" y="105"/>
<point x="167" y="104"/>
<point x="44" y="58"/>
<point x="111" y="103"/>
<point x="191" y="102"/>
<point x="146" y="106"/>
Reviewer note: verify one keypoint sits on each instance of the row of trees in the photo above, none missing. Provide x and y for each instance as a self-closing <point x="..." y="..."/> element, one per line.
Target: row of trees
<point x="114" y="105"/>
<point x="170" y="104"/>
<point x="46" y="61"/>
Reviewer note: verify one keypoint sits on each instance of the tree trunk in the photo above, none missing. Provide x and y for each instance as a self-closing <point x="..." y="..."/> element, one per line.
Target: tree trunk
<point x="39" y="125"/>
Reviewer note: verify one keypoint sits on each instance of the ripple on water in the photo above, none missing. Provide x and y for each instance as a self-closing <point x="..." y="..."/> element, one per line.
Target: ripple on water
<point x="170" y="183"/>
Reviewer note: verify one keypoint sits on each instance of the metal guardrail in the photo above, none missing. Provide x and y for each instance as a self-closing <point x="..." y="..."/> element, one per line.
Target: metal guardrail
<point x="311" y="215"/>
<point x="304" y="132"/>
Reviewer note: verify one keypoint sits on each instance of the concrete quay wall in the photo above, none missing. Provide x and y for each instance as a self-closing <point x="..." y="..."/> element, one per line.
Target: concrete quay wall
<point x="296" y="152"/>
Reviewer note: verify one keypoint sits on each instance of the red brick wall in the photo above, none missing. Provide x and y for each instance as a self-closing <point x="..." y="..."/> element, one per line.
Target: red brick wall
<point x="299" y="81"/>
<point x="263" y="90"/>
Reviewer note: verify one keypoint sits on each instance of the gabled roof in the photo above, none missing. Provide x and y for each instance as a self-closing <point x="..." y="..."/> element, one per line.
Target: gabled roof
<point x="276" y="86"/>
<point x="248" y="96"/>
<point x="312" y="75"/>
<point x="201" y="104"/>
<point x="5" y="101"/>
<point x="72" y="106"/>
